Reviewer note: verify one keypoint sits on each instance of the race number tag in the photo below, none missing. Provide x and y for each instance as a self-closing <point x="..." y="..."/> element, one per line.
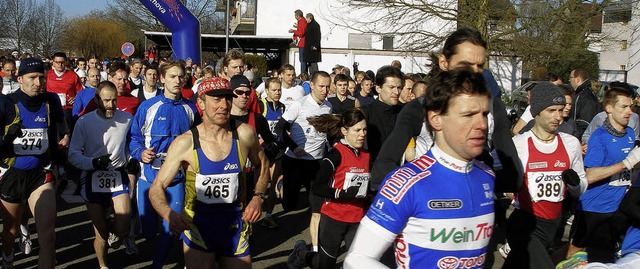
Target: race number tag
<point x="357" y="179"/>
<point x="33" y="142"/>
<point x="106" y="181"/>
<point x="158" y="161"/>
<point x="63" y="98"/>
<point x="272" y="126"/>
<point x="545" y="186"/>
<point x="621" y="179"/>
<point x="217" y="189"/>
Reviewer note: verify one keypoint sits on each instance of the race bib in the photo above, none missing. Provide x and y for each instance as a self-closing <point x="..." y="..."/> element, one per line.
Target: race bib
<point x="158" y="161"/>
<point x="546" y="186"/>
<point x="109" y="181"/>
<point x="63" y="98"/>
<point x="357" y="179"/>
<point x="217" y="189"/>
<point x="33" y="142"/>
<point x="621" y="179"/>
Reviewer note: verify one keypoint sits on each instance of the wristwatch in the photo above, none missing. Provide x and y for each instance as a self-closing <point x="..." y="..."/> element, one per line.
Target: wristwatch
<point x="261" y="195"/>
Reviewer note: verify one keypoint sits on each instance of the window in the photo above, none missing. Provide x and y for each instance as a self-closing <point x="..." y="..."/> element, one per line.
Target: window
<point x="623" y="45"/>
<point x="360" y="41"/>
<point x="622" y="67"/>
<point x="387" y="43"/>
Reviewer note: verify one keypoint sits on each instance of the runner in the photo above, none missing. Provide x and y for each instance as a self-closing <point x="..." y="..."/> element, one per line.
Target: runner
<point x="30" y="119"/>
<point x="98" y="147"/>
<point x="441" y="193"/>
<point x="343" y="180"/>
<point x="553" y="165"/>
<point x="215" y="223"/>
<point x="157" y="123"/>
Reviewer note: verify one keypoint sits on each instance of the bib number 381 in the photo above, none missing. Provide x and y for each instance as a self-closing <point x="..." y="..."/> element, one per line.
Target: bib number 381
<point x="106" y="181"/>
<point x="545" y="186"/>
<point x="217" y="189"/>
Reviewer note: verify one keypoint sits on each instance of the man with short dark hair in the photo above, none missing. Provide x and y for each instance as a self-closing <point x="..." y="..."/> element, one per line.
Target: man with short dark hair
<point x="364" y="95"/>
<point x="585" y="102"/>
<point x="298" y="37"/>
<point x="342" y="101"/>
<point x="65" y="83"/>
<point x="9" y="82"/>
<point x="381" y="114"/>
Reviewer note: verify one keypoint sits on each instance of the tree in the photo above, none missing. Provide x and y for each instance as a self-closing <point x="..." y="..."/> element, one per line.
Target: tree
<point x="50" y="26"/>
<point x="537" y="31"/>
<point x="94" y="35"/>
<point x="18" y="13"/>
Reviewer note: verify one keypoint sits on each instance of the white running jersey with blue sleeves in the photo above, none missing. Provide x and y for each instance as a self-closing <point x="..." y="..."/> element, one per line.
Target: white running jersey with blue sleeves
<point x="441" y="210"/>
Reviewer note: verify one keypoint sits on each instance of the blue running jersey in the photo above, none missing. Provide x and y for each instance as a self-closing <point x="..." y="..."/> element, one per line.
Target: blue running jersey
<point x="441" y="210"/>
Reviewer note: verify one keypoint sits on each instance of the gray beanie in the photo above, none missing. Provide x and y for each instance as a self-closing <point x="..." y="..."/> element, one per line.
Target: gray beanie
<point x="543" y="95"/>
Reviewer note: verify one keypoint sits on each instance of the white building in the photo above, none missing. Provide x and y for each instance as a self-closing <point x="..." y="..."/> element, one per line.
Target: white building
<point x="619" y="47"/>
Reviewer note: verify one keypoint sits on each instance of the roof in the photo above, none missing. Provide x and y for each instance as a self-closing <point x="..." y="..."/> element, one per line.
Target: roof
<point x="216" y="43"/>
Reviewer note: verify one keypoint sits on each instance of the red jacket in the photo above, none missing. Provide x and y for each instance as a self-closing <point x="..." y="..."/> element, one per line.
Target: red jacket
<point x="66" y="86"/>
<point x="299" y="32"/>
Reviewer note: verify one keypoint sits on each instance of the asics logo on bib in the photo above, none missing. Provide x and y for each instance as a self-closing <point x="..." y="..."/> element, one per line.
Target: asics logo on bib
<point x="39" y="119"/>
<point x="559" y="164"/>
<point x="215" y="181"/>
<point x="451" y="262"/>
<point x="456" y="235"/>
<point x="230" y="166"/>
<point x="551" y="177"/>
<point x="360" y="178"/>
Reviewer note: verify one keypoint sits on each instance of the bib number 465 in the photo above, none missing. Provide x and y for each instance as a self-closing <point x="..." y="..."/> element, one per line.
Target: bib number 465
<point x="217" y="191"/>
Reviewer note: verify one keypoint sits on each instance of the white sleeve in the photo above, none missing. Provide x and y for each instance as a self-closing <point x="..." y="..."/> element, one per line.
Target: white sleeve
<point x="260" y="88"/>
<point x="370" y="242"/>
<point x="577" y="164"/>
<point x="526" y="115"/>
<point x="291" y="112"/>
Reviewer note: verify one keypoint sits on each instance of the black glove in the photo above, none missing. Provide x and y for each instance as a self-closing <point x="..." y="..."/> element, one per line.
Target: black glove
<point x="570" y="177"/>
<point x="101" y="163"/>
<point x="14" y="131"/>
<point x="132" y="167"/>
<point x="350" y="192"/>
<point x="273" y="151"/>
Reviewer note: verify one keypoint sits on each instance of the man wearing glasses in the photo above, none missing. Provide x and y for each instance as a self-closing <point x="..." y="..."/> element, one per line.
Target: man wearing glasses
<point x="65" y="83"/>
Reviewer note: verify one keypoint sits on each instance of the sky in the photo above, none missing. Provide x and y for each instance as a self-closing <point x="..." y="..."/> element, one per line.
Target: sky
<point x="73" y="8"/>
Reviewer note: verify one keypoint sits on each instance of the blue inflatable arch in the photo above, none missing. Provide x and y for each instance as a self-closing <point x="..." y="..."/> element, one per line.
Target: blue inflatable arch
<point x="184" y="27"/>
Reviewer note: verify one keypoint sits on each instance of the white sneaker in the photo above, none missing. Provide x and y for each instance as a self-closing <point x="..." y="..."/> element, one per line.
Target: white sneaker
<point x="114" y="241"/>
<point x="130" y="246"/>
<point x="25" y="244"/>
<point x="504" y="250"/>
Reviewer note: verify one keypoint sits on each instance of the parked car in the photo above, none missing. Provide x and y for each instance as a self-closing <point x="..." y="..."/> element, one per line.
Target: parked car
<point x="519" y="100"/>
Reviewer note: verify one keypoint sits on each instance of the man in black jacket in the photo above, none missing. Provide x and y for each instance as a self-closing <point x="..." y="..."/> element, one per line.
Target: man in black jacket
<point x="585" y="103"/>
<point x="312" y="48"/>
<point x="463" y="48"/>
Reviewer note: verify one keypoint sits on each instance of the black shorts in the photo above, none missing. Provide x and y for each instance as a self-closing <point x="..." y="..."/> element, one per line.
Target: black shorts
<point x="16" y="185"/>
<point x="588" y="224"/>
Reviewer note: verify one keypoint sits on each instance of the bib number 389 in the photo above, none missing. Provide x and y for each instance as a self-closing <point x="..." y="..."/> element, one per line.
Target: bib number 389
<point x="545" y="186"/>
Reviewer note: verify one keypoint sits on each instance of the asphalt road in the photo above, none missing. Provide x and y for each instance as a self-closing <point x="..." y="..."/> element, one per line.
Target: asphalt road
<point x="270" y="248"/>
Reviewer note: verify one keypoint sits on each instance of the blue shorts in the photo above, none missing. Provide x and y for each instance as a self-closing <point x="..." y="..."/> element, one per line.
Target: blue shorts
<point x="100" y="186"/>
<point x="221" y="231"/>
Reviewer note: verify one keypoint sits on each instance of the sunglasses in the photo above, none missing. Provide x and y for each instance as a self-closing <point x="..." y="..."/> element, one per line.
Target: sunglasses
<point x="241" y="92"/>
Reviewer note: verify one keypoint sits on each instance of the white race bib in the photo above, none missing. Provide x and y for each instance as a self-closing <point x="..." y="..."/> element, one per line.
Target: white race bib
<point x="33" y="142"/>
<point x="217" y="189"/>
<point x="272" y="126"/>
<point x="357" y="179"/>
<point x="106" y="181"/>
<point x="158" y="161"/>
<point x="546" y="186"/>
<point x="63" y="98"/>
<point x="621" y="179"/>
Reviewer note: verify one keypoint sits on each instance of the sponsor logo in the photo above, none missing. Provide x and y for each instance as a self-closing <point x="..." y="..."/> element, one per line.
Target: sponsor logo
<point x="402" y="252"/>
<point x="538" y="165"/>
<point x="456" y="235"/>
<point x="444" y="204"/>
<point x="158" y="6"/>
<point x="486" y="186"/>
<point x="162" y="118"/>
<point x="401" y="181"/>
<point x="216" y="181"/>
<point x="231" y="166"/>
<point x="39" y="119"/>
<point x="548" y="177"/>
<point x="559" y="164"/>
<point x="360" y="178"/>
<point x="356" y="170"/>
<point x="451" y="262"/>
